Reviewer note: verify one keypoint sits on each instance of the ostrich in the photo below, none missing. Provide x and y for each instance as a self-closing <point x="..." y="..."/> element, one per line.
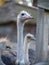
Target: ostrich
<point x="27" y="41"/>
<point x="9" y="58"/>
<point x="21" y="18"/>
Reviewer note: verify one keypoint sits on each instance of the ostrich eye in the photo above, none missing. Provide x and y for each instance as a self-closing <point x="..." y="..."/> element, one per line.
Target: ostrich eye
<point x="8" y="47"/>
<point x="29" y="37"/>
<point x="22" y="14"/>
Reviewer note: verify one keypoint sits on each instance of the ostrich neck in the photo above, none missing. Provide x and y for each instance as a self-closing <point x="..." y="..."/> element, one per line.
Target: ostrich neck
<point x="20" y="50"/>
<point x="26" y="46"/>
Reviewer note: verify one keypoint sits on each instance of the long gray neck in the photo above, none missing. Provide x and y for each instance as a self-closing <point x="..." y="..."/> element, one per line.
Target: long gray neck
<point x="20" y="50"/>
<point x="26" y="55"/>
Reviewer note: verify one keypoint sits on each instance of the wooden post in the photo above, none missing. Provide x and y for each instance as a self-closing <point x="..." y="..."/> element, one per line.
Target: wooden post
<point x="41" y="36"/>
<point x="45" y="38"/>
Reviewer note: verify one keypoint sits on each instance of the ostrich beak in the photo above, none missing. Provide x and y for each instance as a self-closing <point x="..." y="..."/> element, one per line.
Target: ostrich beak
<point x="29" y="17"/>
<point x="33" y="38"/>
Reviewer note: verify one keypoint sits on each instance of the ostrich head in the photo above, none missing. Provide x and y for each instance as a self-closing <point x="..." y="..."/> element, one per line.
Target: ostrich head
<point x="23" y="15"/>
<point x="29" y="37"/>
